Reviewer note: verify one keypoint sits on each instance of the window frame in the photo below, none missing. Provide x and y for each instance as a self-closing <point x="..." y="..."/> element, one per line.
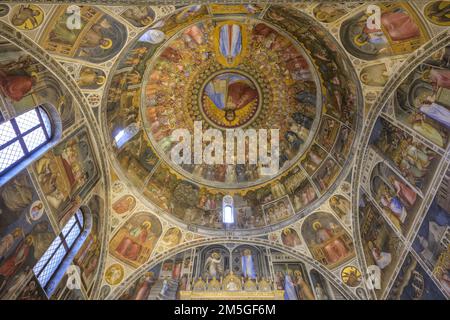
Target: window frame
<point x="83" y="220"/>
<point x="30" y="156"/>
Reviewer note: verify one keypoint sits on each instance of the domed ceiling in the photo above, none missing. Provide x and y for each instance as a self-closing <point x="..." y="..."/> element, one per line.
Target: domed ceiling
<point x="363" y="121"/>
<point x="280" y="70"/>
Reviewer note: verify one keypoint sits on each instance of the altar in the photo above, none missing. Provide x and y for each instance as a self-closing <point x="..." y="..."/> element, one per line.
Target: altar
<point x="232" y="295"/>
<point x="232" y="287"/>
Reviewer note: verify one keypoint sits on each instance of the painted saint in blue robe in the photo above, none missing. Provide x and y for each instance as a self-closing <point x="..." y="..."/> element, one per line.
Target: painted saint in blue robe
<point x="248" y="268"/>
<point x="289" y="289"/>
<point x="230" y="40"/>
<point x="437" y="112"/>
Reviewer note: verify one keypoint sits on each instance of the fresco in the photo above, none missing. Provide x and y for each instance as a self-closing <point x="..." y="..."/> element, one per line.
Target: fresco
<point x="303" y="195"/>
<point x="244" y="66"/>
<point x="380" y="243"/>
<point x="278" y="211"/>
<point x="437" y="12"/>
<point x="330" y="12"/>
<point x="202" y="77"/>
<point x="431" y="242"/>
<point x="104" y="292"/>
<point x="136" y="239"/>
<point x="67" y="172"/>
<point x="32" y="291"/>
<point x="99" y="39"/>
<point x="140" y="290"/>
<point x="91" y="78"/>
<point x="139" y="16"/>
<point x="290" y="238"/>
<point x="235" y="9"/>
<point x="294" y="280"/>
<point x="63" y="292"/>
<point x="421" y="102"/>
<point x="182" y="18"/>
<point x="320" y="286"/>
<point x="124" y="204"/>
<point x="326" y="174"/>
<point x="172" y="237"/>
<point x="375" y="75"/>
<point x="233" y="94"/>
<point x="314" y="159"/>
<point x="410" y="157"/>
<point x="327" y="133"/>
<point x="413" y="283"/>
<point x="25" y="83"/>
<point x="88" y="257"/>
<point x="401" y="32"/>
<point x="396" y="196"/>
<point x="340" y="206"/>
<point x="24" y="235"/>
<point x="326" y="239"/>
<point x="341" y="150"/>
<point x="351" y="276"/>
<point x="4" y="10"/>
<point x="228" y="99"/>
<point x="138" y="158"/>
<point x="114" y="274"/>
<point x="27" y="17"/>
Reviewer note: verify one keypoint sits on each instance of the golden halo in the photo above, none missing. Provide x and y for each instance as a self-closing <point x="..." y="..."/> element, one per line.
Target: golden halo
<point x="358" y="42"/>
<point x="316" y="225"/>
<point x="147" y="224"/>
<point x="101" y="80"/>
<point x="108" y="45"/>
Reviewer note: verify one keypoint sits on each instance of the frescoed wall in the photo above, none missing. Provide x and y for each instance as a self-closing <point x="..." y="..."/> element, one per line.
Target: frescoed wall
<point x="413" y="283"/>
<point x="25" y="232"/>
<point x="99" y="37"/>
<point x="431" y="242"/>
<point x="381" y="246"/>
<point x="363" y="120"/>
<point x="67" y="172"/>
<point x="327" y="240"/>
<point x="135" y="241"/>
<point x="400" y="32"/>
<point x="88" y="257"/>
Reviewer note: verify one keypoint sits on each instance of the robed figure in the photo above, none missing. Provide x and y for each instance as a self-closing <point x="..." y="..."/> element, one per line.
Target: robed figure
<point x="248" y="268"/>
<point x="230" y="39"/>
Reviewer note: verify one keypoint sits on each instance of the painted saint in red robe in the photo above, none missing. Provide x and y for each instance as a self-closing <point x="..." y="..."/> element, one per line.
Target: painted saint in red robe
<point x="15" y="87"/>
<point x="400" y="26"/>
<point x="240" y="93"/>
<point x="15" y="261"/>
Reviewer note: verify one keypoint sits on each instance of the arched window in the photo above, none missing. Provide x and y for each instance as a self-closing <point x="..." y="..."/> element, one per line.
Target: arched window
<point x="228" y="210"/>
<point x="53" y="264"/>
<point x="24" y="138"/>
<point x="125" y="135"/>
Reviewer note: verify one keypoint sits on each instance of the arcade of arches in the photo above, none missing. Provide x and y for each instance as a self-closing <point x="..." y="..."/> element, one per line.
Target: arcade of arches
<point x="363" y="121"/>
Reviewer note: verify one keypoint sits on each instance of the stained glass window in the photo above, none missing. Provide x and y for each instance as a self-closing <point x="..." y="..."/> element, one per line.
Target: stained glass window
<point x="50" y="261"/>
<point x="23" y="135"/>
